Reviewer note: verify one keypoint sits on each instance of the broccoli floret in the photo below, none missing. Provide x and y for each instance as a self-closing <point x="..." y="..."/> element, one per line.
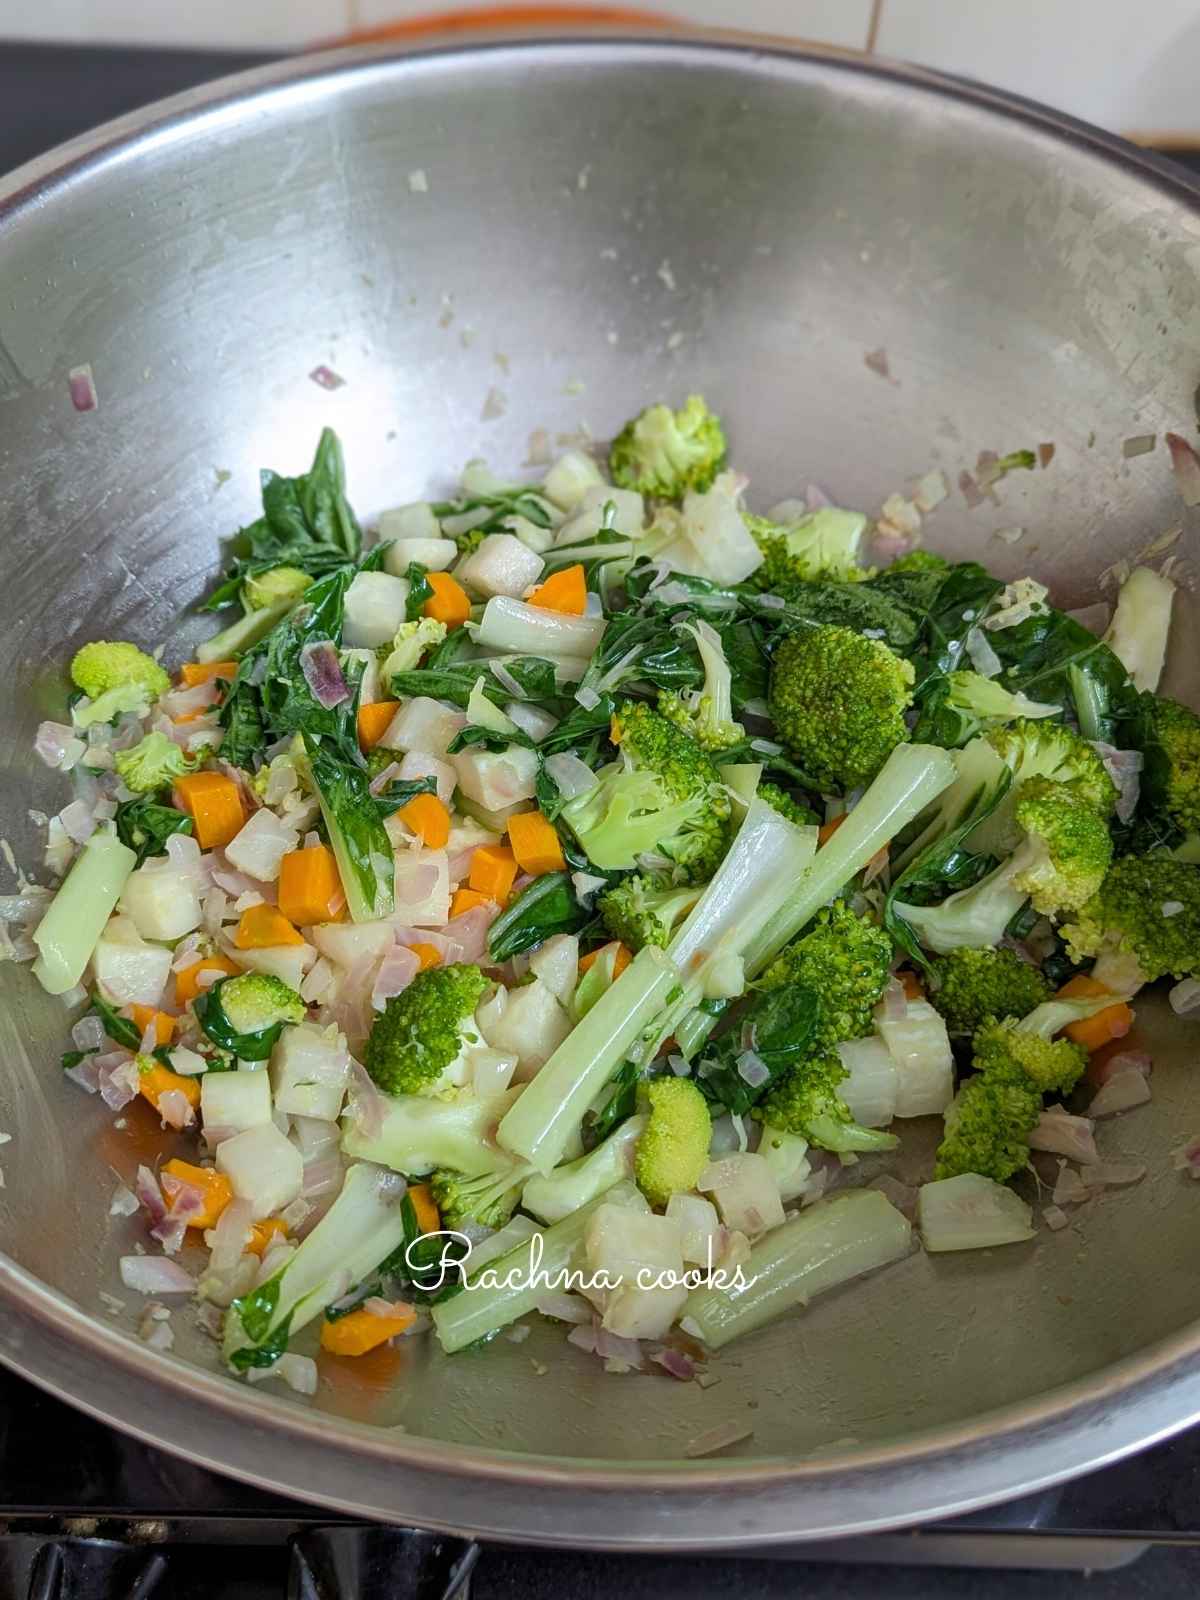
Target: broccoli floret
<point x="418" y="1044"/>
<point x="102" y="666"/>
<point x="838" y="701"/>
<point x="151" y="764"/>
<point x="1059" y="864"/>
<point x="806" y="1103"/>
<point x="665" y="453"/>
<point x="824" y="545"/>
<point x="1020" y="1052"/>
<point x="673" y="1151"/>
<point x="489" y="1199"/>
<point x="646" y="908"/>
<point x="1147" y="908"/>
<point x="277" y="583"/>
<point x="705" y="713"/>
<point x="920" y="561"/>
<point x="663" y="797"/>
<point x="843" y="959"/>
<point x="412" y="640"/>
<point x="1173" y="761"/>
<point x="981" y="703"/>
<point x="782" y="802"/>
<point x="971" y="986"/>
<point x="253" y="1001"/>
<point x="1016" y="1063"/>
<point x="988" y="1124"/>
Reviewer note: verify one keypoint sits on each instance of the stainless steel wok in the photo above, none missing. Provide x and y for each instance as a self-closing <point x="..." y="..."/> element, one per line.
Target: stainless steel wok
<point x="600" y="223"/>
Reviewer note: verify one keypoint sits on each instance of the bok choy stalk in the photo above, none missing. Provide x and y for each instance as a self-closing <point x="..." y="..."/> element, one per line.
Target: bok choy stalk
<point x="67" y="934"/>
<point x="530" y="1271"/>
<point x="827" y="1245"/>
<point x="364" y="1225"/>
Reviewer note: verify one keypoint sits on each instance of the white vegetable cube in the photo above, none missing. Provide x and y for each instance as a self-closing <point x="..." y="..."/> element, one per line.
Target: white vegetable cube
<point x="873" y="1084"/>
<point x="745" y="1192"/>
<point x="422" y="888"/>
<point x="556" y="963"/>
<point x="491" y="1071"/>
<point x="497" y="778"/>
<point x="412" y="521"/>
<point x="920" y="1047"/>
<point x="289" y="962"/>
<point x="375" y="607"/>
<point x="699" y="1228"/>
<point x="971" y="1212"/>
<point x="416" y="764"/>
<point x="260" y="845"/>
<point x="310" y="1068"/>
<point x="715" y="541"/>
<point x="263" y="1167"/>
<point x="345" y="943"/>
<point x="501" y="565"/>
<point x="570" y="478"/>
<point x="628" y="514"/>
<point x="425" y="725"/>
<point x="787" y="1156"/>
<point x="644" y="1253"/>
<point x="161" y="901"/>
<point x="527" y="1022"/>
<point x="433" y="553"/>
<point x="511" y="626"/>
<point x="129" y="971"/>
<point x="231" y="1102"/>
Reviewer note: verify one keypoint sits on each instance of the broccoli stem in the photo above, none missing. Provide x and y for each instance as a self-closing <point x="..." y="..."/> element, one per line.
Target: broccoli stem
<point x="361" y="1228"/>
<point x="830" y="1243"/>
<point x="67" y="934"/>
<point x="246" y="631"/>
<point x="540" y="1126"/>
<point x="484" y="1310"/>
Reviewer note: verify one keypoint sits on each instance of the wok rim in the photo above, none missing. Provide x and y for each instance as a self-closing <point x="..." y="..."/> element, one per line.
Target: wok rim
<point x="1105" y="1416"/>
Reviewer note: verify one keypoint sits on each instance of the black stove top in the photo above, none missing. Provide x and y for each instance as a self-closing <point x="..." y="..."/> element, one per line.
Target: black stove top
<point x="87" y="1514"/>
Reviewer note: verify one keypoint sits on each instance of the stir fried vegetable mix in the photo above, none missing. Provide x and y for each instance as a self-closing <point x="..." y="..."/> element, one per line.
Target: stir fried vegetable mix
<point x="589" y="869"/>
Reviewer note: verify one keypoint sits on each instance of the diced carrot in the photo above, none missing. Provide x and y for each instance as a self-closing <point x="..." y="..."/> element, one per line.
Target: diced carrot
<point x="534" y="843"/>
<point x="448" y="603"/>
<point x="466" y="900"/>
<point x="426" y="954"/>
<point x="187" y="981"/>
<point x="310" y="889"/>
<point x="360" y="1331"/>
<point x="214" y="805"/>
<point x="425" y="1207"/>
<point x="564" y="591"/>
<point x="827" y="829"/>
<point x="263" y="1234"/>
<point x="621" y="960"/>
<point x="262" y="927"/>
<point x="194" y="672"/>
<point x="1094" y="1032"/>
<point x="213" y="1185"/>
<point x="428" y="818"/>
<point x="493" y="871"/>
<point x="913" y="988"/>
<point x="374" y="720"/>
<point x="155" y="1081"/>
<point x="164" y="1024"/>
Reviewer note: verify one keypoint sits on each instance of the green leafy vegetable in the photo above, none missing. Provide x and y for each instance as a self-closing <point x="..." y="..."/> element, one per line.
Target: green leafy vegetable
<point x="145" y="826"/>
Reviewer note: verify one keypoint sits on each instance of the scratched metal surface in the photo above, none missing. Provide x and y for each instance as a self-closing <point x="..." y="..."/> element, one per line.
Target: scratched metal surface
<point x="603" y="223"/>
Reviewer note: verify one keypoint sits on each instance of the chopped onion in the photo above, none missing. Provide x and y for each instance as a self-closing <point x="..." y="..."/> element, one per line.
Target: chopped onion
<point x="1187" y="1157"/>
<point x="230" y="1237"/>
<point x="367" y="1105"/>
<point x="971" y="1212"/>
<point x="88" y="1033"/>
<point x="1138" y="444"/>
<point x="150" y="1195"/>
<point x="571" y="775"/>
<point x="583" y="1339"/>
<point x="1124" y="767"/>
<point x="396" y="971"/>
<point x="1069" y="1188"/>
<point x="155" y="1275"/>
<point x="84" y="1074"/>
<point x="298" y="1372"/>
<point x="79" y="821"/>
<point x="618" y="1353"/>
<point x="1121" y="1092"/>
<point x="326" y="378"/>
<point x="82" y="387"/>
<point x="1127" y="1058"/>
<point x="1054" y="1218"/>
<point x="983" y="658"/>
<point x="1061" y="1134"/>
<point x="1185" y="998"/>
<point x="1186" y="466"/>
<point x="323" y="673"/>
<point x="175" y="1109"/>
<point x="751" y="1068"/>
<point x="124" y="1202"/>
<point x="1114" y="1174"/>
<point x="675" y="1363"/>
<point x="565" y="1308"/>
<point x="718" y="1438"/>
<point x="585" y="884"/>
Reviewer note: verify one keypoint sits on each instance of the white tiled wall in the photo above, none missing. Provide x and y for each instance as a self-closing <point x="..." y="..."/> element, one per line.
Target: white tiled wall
<point x="1129" y="66"/>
